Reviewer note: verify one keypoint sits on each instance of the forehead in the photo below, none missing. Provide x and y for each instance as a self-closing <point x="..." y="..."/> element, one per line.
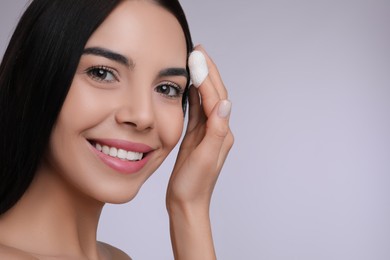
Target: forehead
<point x="144" y="31"/>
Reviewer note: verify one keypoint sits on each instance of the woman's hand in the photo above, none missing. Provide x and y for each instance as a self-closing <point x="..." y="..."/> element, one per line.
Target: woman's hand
<point x="206" y="144"/>
<point x="202" y="154"/>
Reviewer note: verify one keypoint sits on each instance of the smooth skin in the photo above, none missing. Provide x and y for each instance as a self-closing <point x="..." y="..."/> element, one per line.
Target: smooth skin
<point x="202" y="154"/>
<point x="58" y="215"/>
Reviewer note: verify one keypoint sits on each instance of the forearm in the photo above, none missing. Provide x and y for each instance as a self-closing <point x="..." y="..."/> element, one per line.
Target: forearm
<point x="191" y="234"/>
<point x="202" y="154"/>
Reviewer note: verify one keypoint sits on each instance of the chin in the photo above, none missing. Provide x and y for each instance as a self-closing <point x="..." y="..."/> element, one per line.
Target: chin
<point x="117" y="197"/>
<point x="118" y="194"/>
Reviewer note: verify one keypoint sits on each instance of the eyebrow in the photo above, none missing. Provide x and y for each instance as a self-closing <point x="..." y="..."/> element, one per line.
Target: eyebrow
<point x="110" y="55"/>
<point x="98" y="51"/>
<point x="174" y="72"/>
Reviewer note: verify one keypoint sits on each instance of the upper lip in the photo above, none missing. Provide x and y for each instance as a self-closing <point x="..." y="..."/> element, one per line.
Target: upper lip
<point x="125" y="145"/>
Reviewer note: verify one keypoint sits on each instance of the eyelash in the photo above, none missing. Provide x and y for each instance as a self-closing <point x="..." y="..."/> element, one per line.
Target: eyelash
<point x="177" y="88"/>
<point x="102" y="69"/>
<point x="105" y="70"/>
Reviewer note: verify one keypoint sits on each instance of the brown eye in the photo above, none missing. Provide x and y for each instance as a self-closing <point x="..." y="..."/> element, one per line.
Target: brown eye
<point x="169" y="89"/>
<point x="102" y="74"/>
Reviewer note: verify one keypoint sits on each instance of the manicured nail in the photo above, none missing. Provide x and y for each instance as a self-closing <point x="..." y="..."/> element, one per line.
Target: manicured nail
<point x="198" y="68"/>
<point x="224" y="108"/>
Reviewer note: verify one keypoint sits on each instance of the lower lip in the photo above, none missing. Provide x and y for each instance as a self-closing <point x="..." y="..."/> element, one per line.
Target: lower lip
<point x="122" y="166"/>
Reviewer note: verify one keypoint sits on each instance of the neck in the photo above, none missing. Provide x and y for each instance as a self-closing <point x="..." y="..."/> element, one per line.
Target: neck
<point x="52" y="218"/>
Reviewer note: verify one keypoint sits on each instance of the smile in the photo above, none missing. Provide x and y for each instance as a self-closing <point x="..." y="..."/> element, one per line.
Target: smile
<point x="119" y="153"/>
<point x="122" y="156"/>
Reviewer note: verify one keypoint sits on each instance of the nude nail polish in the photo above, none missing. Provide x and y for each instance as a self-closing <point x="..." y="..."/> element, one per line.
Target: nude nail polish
<point x="224" y="108"/>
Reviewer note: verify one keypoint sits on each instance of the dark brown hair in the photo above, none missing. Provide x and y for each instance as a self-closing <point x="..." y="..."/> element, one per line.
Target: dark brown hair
<point x="35" y="75"/>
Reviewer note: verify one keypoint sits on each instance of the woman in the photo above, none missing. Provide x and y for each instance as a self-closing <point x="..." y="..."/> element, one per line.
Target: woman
<point x="92" y="95"/>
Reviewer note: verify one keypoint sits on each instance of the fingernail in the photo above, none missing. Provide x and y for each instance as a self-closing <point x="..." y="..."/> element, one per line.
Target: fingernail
<point x="198" y="68"/>
<point x="224" y="108"/>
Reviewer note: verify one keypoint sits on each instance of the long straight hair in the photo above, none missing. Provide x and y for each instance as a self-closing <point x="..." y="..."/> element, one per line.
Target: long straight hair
<point x="35" y="75"/>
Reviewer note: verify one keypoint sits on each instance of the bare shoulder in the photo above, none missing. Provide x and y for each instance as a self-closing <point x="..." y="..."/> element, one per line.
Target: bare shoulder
<point x="11" y="253"/>
<point x="115" y="253"/>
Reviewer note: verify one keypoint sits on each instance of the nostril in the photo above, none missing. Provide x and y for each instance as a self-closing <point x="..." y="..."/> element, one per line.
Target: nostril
<point x="138" y="115"/>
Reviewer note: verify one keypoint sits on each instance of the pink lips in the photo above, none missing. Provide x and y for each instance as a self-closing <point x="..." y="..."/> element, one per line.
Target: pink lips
<point x="123" y="166"/>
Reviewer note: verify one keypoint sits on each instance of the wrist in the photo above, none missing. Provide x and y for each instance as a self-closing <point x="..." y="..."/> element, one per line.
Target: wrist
<point x="191" y="232"/>
<point x="188" y="210"/>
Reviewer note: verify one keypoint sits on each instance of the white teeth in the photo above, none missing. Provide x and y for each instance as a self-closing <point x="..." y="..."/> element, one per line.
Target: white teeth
<point x="119" y="153"/>
<point x="99" y="147"/>
<point x="106" y="149"/>
<point x="122" y="154"/>
<point x="113" y="152"/>
<point x="133" y="156"/>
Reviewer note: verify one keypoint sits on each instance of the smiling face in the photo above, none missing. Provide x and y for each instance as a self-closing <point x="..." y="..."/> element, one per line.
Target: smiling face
<point x="123" y="114"/>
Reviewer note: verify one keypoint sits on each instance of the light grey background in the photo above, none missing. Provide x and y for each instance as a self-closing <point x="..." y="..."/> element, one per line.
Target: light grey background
<point x="309" y="174"/>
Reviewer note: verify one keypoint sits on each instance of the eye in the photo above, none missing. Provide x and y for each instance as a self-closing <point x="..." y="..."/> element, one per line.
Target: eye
<point x="169" y="89"/>
<point x="102" y="73"/>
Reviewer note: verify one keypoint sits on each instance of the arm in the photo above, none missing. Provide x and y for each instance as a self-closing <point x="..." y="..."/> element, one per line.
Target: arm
<point x="202" y="154"/>
<point x="191" y="234"/>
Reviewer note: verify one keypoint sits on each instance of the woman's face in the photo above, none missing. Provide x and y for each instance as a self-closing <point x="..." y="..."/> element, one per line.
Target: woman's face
<point x="123" y="113"/>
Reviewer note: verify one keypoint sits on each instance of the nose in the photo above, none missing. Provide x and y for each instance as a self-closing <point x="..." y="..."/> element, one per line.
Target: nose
<point x="136" y="110"/>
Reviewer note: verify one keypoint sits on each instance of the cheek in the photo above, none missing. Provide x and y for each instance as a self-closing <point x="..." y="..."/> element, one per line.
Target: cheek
<point x="82" y="107"/>
<point x="170" y="125"/>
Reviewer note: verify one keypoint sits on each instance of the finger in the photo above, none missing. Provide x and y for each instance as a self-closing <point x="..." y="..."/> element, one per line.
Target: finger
<point x="225" y="149"/>
<point x="195" y="110"/>
<point x="214" y="74"/>
<point x="195" y="131"/>
<point x="200" y="78"/>
<point x="209" y="149"/>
